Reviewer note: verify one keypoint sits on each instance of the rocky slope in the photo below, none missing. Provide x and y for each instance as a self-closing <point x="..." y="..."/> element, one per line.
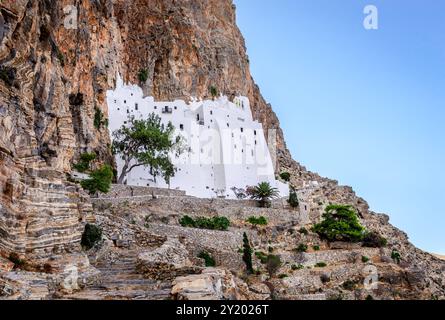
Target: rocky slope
<point x="53" y="80"/>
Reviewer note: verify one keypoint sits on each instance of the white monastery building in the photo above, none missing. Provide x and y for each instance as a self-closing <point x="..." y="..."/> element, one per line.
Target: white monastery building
<point x="224" y="147"/>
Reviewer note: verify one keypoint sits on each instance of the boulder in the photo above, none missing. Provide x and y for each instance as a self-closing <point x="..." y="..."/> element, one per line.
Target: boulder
<point x="211" y="284"/>
<point x="166" y="262"/>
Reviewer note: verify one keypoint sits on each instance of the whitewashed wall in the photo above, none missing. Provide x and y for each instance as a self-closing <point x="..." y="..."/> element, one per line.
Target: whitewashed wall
<point x="226" y="147"/>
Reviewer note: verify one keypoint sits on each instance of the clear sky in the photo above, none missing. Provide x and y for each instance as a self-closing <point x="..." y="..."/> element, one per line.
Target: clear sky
<point x="364" y="107"/>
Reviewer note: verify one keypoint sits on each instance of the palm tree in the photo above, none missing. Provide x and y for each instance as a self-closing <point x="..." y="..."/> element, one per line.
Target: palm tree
<point x="264" y="193"/>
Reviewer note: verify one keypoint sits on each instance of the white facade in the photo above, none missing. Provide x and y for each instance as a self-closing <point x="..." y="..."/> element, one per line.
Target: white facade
<point x="225" y="147"/>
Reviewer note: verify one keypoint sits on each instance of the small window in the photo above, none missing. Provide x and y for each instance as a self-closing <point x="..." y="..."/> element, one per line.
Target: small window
<point x="125" y="101"/>
<point x="228" y="125"/>
<point x="181" y="126"/>
<point x="211" y="112"/>
<point x="176" y="108"/>
<point x="156" y="107"/>
<point x="136" y="106"/>
<point x="197" y="117"/>
<point x="254" y="132"/>
<point x="118" y="109"/>
<point x="242" y="129"/>
<point x="115" y="101"/>
<point x="128" y="111"/>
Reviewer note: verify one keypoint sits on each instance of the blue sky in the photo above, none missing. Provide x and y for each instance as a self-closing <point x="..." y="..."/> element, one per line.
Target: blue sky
<point x="365" y="107"/>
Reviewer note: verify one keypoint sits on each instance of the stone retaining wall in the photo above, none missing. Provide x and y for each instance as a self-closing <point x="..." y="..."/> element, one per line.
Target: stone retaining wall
<point x="123" y="191"/>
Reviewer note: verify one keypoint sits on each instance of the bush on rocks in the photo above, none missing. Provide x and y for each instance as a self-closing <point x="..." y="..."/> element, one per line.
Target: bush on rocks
<point x="340" y="224"/>
<point x="100" y="180"/>
<point x="208" y="259"/>
<point x="293" y="199"/>
<point x="257" y="221"/>
<point x="301" y="248"/>
<point x="285" y="176"/>
<point x="91" y="236"/>
<point x="215" y="223"/>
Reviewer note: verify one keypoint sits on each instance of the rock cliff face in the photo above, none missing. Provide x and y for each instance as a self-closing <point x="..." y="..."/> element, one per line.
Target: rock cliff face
<point x="57" y="61"/>
<point x="58" y="58"/>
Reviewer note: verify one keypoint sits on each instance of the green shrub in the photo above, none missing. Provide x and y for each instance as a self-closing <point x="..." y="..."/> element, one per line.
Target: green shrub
<point x="374" y="240"/>
<point x="208" y="259"/>
<point x="85" y="160"/>
<point x="349" y="285"/>
<point x="187" y="221"/>
<point x="395" y="255"/>
<point x="304" y="231"/>
<point x="260" y="221"/>
<point x="285" y="176"/>
<point x="247" y="254"/>
<point x="365" y="259"/>
<point x="295" y="267"/>
<point x="215" y="223"/>
<point x="99" y="119"/>
<point x="213" y="91"/>
<point x="61" y="57"/>
<point x="340" y="224"/>
<point x="316" y="248"/>
<point x="143" y="75"/>
<point x="283" y="275"/>
<point x="273" y="264"/>
<point x="261" y="256"/>
<point x="320" y="265"/>
<point x="301" y="248"/>
<point x="100" y="180"/>
<point x="293" y="199"/>
<point x="91" y="235"/>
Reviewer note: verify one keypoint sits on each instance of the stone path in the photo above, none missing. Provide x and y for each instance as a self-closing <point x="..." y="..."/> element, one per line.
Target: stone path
<point x="119" y="280"/>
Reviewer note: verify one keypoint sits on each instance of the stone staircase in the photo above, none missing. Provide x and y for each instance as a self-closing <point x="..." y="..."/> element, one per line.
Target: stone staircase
<point x="119" y="280"/>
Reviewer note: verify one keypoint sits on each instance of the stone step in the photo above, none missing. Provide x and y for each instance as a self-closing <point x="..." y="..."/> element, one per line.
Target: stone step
<point x="98" y="294"/>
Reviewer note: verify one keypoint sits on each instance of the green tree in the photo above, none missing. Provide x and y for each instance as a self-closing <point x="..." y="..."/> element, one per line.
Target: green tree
<point x="285" y="176"/>
<point x="247" y="254"/>
<point x="147" y="143"/>
<point x="340" y="224"/>
<point x="85" y="160"/>
<point x="213" y="91"/>
<point x="264" y="193"/>
<point x="293" y="198"/>
<point x="143" y="75"/>
<point x="100" y="180"/>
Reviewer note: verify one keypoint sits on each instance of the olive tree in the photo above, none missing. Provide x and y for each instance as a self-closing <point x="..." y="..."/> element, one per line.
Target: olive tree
<point x="147" y="143"/>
